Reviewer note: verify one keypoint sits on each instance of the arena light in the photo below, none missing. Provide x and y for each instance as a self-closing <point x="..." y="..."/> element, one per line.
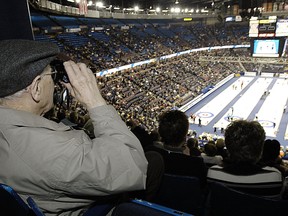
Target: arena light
<point x="177" y="10"/>
<point x="158" y="9"/>
<point x="136" y="8"/>
<point x="99" y="4"/>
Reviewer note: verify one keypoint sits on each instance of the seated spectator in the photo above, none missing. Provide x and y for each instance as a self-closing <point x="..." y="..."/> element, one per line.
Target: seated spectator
<point x="244" y="141"/>
<point x="271" y="156"/>
<point x="282" y="152"/>
<point x="192" y="144"/>
<point x="209" y="155"/>
<point x="155" y="136"/>
<point x="140" y="132"/>
<point x="173" y="129"/>
<point x="62" y="169"/>
<point x="221" y="148"/>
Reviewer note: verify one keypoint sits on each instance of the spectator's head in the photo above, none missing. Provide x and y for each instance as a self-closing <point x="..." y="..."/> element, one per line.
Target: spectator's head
<point x="220" y="143"/>
<point x="192" y="143"/>
<point x="155" y="135"/>
<point x="25" y="75"/>
<point x="210" y="149"/>
<point x="282" y="153"/>
<point x="173" y="128"/>
<point x="271" y="150"/>
<point x="244" y="141"/>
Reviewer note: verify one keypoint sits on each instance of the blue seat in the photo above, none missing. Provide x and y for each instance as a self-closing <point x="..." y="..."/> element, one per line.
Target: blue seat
<point x="99" y="210"/>
<point x="11" y="204"/>
<point x="182" y="193"/>
<point x="224" y="201"/>
<point x="144" y="208"/>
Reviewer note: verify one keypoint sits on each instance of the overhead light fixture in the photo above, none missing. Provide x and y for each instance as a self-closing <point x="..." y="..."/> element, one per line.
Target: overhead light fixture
<point x="176" y="2"/>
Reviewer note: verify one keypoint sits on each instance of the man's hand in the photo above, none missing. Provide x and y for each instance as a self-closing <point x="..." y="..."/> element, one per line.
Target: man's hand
<point x="83" y="85"/>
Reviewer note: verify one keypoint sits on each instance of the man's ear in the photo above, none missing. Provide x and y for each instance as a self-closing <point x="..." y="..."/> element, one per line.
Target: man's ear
<point x="35" y="89"/>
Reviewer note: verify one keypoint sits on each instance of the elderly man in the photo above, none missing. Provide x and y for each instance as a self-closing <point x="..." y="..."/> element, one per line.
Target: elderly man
<point x="62" y="169"/>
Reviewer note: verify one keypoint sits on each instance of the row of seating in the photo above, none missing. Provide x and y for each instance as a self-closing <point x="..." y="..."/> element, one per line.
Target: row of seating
<point x="13" y="205"/>
<point x="178" y="195"/>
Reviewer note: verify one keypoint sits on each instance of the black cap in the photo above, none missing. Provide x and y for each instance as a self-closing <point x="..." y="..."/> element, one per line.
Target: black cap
<point x="21" y="61"/>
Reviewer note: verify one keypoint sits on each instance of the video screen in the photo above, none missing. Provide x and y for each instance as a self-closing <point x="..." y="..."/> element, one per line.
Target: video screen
<point x="266" y="48"/>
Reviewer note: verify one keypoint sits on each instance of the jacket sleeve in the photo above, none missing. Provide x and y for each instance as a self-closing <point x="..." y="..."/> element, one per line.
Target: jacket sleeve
<point x="113" y="162"/>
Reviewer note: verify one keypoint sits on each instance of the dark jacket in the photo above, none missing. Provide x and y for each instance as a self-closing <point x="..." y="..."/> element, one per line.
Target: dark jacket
<point x="178" y="163"/>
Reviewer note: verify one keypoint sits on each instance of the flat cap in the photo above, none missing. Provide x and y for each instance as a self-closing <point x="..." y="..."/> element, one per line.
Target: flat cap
<point x="21" y="61"/>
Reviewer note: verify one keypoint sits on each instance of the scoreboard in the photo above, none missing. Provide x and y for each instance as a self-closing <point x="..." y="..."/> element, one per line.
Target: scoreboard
<point x="271" y="27"/>
<point x="268" y="36"/>
<point x="267" y="28"/>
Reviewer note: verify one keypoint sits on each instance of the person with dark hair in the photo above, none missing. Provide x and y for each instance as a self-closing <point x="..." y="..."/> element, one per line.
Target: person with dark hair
<point x="192" y="144"/>
<point x="209" y="155"/>
<point x="244" y="141"/>
<point x="140" y="132"/>
<point x="271" y="156"/>
<point x="173" y="129"/>
<point x="62" y="169"/>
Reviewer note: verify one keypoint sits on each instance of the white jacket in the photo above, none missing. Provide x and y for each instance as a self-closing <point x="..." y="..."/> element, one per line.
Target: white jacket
<point x="62" y="169"/>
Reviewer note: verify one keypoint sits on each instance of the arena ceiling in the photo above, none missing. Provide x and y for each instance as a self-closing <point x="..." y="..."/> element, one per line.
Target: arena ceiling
<point x="167" y="4"/>
<point x="182" y="3"/>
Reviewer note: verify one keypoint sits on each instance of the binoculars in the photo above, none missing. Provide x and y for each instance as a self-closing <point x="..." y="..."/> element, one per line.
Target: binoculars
<point x="60" y="75"/>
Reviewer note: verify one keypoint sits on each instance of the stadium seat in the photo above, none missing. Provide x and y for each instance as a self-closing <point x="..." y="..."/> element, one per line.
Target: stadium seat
<point x="11" y="204"/>
<point x="182" y="193"/>
<point x="99" y="210"/>
<point x="225" y="201"/>
<point x="144" y="208"/>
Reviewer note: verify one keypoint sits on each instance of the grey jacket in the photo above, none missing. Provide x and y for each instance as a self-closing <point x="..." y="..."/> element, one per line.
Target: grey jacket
<point x="61" y="168"/>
